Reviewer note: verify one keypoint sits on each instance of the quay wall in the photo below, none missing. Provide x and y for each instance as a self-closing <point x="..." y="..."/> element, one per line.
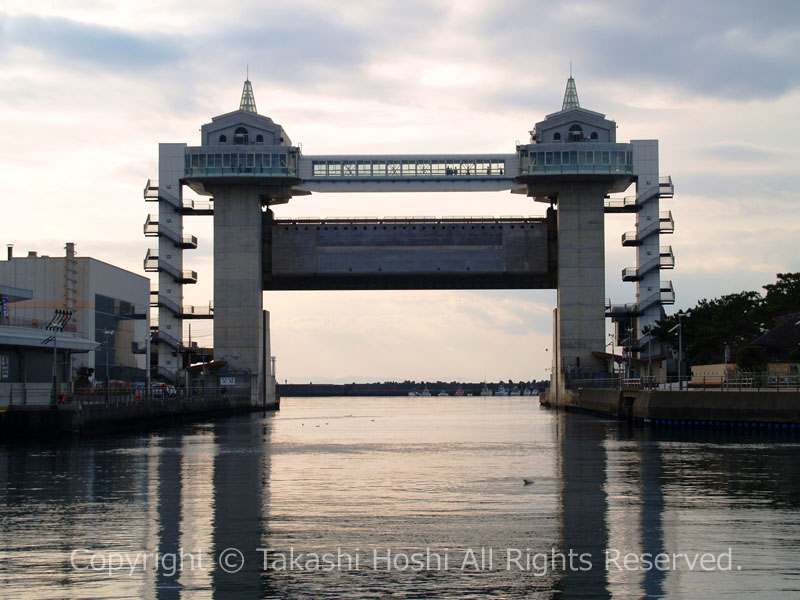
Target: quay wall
<point x="716" y="406"/>
<point x="76" y="418"/>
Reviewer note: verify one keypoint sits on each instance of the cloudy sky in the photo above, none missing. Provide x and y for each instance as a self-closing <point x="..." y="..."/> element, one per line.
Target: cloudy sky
<point x="88" y="89"/>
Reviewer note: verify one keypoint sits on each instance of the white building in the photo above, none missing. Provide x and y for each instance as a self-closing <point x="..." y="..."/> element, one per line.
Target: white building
<point x="108" y="305"/>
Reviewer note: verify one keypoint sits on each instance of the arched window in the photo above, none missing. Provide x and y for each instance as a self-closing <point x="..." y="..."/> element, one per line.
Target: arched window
<point x="223" y="139"/>
<point x="575" y="133"/>
<point x="593" y="137"/>
<point x="240" y="136"/>
<point x="259" y="139"/>
<point x="556" y="137"/>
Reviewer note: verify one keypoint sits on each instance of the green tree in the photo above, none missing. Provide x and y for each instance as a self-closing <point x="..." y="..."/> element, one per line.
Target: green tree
<point x="782" y="297"/>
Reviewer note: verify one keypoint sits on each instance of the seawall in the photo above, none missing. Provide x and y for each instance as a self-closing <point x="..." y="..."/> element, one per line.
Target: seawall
<point x="78" y="418"/>
<point x="734" y="406"/>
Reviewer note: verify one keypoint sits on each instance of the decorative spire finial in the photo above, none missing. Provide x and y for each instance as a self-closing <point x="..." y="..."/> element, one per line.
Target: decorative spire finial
<point x="248" y="102"/>
<point x="571" y="93"/>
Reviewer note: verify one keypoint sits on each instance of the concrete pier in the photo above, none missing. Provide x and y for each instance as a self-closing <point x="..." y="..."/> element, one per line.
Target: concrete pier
<point x="238" y="298"/>
<point x="581" y="274"/>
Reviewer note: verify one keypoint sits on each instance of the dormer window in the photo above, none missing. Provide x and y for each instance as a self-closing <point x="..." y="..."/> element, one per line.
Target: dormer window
<point x="556" y="137"/>
<point x="593" y="137"/>
<point x="223" y="139"/>
<point x="240" y="136"/>
<point x="259" y="139"/>
<point x="575" y="133"/>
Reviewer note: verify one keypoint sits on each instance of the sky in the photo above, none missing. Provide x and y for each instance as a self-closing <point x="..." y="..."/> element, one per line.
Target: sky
<point x="89" y="88"/>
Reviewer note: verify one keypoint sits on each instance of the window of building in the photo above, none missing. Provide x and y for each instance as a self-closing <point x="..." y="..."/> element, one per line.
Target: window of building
<point x="593" y="136"/>
<point x="556" y="137"/>
<point x="223" y="139"/>
<point x="240" y="136"/>
<point x="259" y="139"/>
<point x="575" y="133"/>
<point x="379" y="168"/>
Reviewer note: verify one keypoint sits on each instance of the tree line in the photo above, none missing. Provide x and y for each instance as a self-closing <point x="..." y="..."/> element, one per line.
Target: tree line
<point x="734" y="320"/>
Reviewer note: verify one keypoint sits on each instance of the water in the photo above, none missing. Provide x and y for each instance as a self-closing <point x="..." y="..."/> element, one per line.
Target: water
<point x="407" y="497"/>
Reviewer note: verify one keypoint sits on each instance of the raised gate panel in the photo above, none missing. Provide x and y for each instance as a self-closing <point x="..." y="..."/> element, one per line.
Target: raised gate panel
<point x="418" y="255"/>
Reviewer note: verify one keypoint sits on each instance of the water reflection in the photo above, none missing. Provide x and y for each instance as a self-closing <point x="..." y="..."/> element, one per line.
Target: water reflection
<point x="584" y="506"/>
<point x="401" y="475"/>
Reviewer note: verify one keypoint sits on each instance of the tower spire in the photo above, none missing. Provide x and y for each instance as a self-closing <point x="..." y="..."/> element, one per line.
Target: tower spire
<point x="248" y="102"/>
<point x="571" y="93"/>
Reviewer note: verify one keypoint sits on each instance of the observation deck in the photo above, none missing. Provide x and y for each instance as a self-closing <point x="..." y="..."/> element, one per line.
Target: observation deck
<point x="253" y="165"/>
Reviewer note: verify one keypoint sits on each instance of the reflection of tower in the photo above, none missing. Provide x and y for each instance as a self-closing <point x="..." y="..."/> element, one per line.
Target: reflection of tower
<point x="584" y="504"/>
<point x="169" y="515"/>
<point x="652" y="515"/>
<point x="239" y="509"/>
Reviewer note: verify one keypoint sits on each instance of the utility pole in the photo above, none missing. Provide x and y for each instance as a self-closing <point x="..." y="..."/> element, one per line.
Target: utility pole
<point x="61" y="317"/>
<point x="108" y="333"/>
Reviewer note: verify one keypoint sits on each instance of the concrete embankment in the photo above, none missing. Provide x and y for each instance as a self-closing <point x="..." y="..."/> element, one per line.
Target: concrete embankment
<point x="688" y="407"/>
<point x="78" y="418"/>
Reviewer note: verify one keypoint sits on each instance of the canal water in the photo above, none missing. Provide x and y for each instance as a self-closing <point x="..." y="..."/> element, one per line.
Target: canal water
<point x="403" y="497"/>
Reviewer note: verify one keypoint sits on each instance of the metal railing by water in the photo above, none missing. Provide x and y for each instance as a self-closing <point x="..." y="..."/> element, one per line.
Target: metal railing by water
<point x="752" y="382"/>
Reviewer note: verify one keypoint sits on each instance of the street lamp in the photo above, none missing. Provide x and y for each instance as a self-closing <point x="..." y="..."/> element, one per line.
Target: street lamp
<point x="679" y="327"/>
<point x="613" y="358"/>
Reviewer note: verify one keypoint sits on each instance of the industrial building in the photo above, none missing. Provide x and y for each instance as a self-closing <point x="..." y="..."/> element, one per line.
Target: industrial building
<point x="104" y="305"/>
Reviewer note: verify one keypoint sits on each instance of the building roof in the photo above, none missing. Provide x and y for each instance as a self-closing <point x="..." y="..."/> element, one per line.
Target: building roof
<point x="15" y="294"/>
<point x="36" y="338"/>
<point x="785" y="335"/>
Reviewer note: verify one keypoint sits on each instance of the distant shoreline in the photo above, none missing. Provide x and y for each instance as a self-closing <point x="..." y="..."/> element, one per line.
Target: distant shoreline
<point x="404" y="388"/>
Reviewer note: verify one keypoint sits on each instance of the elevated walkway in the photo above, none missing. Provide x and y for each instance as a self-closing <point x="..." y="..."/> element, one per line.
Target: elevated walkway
<point x="408" y="173"/>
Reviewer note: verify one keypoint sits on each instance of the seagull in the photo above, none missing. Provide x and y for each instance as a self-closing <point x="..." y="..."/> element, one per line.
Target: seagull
<point x="527" y="481"/>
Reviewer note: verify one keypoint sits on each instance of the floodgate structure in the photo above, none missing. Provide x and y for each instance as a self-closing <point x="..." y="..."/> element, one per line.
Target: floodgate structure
<point x="246" y="163"/>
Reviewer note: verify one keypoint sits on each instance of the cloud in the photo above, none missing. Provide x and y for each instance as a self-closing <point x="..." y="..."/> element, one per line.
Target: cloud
<point x="744" y="49"/>
<point x="64" y="40"/>
<point x="732" y="151"/>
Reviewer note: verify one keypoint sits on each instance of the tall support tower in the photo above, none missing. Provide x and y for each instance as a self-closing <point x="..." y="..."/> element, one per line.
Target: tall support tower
<point x="573" y="161"/>
<point x="246" y="163"/>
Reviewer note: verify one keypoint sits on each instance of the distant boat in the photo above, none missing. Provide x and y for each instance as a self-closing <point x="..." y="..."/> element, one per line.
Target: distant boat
<point x="442" y="393"/>
<point x="528" y="391"/>
<point x="459" y="391"/>
<point x="413" y="394"/>
<point x="514" y="391"/>
<point x="501" y="391"/>
<point x="426" y="392"/>
<point x="485" y="391"/>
